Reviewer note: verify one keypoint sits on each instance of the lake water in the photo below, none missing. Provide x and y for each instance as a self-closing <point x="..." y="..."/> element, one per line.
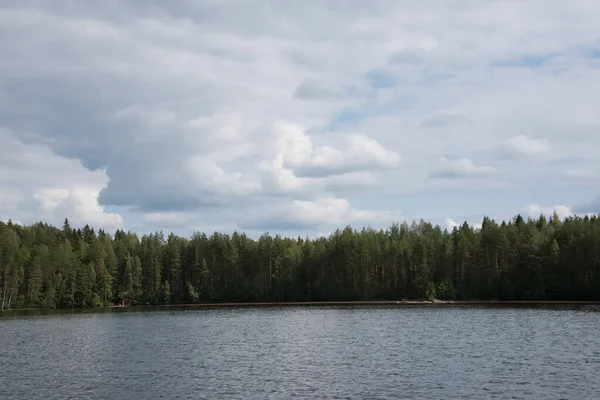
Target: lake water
<point x="404" y="352"/>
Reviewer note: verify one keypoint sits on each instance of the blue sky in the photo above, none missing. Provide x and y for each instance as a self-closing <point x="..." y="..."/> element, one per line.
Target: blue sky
<point x="297" y="118"/>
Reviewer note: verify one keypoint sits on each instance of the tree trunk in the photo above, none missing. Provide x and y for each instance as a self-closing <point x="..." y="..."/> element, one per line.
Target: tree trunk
<point x="3" y="295"/>
<point x="12" y="289"/>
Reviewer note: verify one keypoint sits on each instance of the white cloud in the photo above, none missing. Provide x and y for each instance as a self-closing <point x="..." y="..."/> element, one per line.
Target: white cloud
<point x="535" y="210"/>
<point x="327" y="211"/>
<point x="209" y="175"/>
<point x="357" y="152"/>
<point x="531" y="211"/>
<point x="451" y="224"/>
<point x="461" y="168"/>
<point x="302" y="169"/>
<point x="563" y="211"/>
<point x="525" y="146"/>
<point x="324" y="214"/>
<point x="79" y="205"/>
<point x="280" y="179"/>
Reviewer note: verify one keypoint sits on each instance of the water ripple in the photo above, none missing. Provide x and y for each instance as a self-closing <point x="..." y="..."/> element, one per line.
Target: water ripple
<point x="305" y="353"/>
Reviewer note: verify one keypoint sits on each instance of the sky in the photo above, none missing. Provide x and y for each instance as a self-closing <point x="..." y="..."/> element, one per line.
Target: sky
<point x="294" y="117"/>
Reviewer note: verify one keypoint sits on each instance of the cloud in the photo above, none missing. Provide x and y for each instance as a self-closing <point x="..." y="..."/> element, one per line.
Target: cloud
<point x="220" y="114"/>
<point x="320" y="215"/>
<point x="299" y="167"/>
<point x="524" y="146"/>
<point x="10" y="197"/>
<point x="313" y="89"/>
<point x="79" y="205"/>
<point x="329" y="211"/>
<point x="581" y="175"/>
<point x="594" y="206"/>
<point x="277" y="180"/>
<point x="165" y="220"/>
<point x="451" y="224"/>
<point x="535" y="210"/>
<point x="358" y="152"/>
<point x="563" y="211"/>
<point x="588" y="207"/>
<point x="351" y="181"/>
<point x="443" y="117"/>
<point x="38" y="184"/>
<point x="461" y="168"/>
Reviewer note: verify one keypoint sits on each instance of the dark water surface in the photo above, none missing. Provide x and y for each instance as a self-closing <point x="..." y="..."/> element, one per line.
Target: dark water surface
<point x="414" y="352"/>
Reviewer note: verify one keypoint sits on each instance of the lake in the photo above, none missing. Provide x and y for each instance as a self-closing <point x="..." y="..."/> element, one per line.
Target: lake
<point x="391" y="352"/>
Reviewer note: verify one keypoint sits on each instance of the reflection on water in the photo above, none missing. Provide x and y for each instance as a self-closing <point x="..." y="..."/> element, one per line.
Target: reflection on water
<point x="418" y="352"/>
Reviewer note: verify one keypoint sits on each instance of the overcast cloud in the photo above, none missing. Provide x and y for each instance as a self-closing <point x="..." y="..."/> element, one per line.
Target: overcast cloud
<point x="297" y="117"/>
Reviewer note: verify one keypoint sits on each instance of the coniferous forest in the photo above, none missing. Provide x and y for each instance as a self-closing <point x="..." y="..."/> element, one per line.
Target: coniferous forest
<point x="533" y="259"/>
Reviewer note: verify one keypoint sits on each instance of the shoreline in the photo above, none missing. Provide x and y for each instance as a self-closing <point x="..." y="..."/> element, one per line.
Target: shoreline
<point x="372" y="303"/>
<point x="376" y="303"/>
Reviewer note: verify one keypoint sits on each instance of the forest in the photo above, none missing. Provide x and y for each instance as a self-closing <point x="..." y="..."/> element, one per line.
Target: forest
<point x="520" y="259"/>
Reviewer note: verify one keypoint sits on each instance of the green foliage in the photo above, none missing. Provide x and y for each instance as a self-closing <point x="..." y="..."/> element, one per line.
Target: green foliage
<point x="537" y="259"/>
<point x="192" y="293"/>
<point x="445" y="291"/>
<point x="166" y="292"/>
<point x="431" y="292"/>
<point x="96" y="301"/>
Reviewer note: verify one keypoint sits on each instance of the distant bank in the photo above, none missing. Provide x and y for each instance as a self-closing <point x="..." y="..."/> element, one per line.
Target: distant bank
<point x="373" y="303"/>
<point x="379" y="303"/>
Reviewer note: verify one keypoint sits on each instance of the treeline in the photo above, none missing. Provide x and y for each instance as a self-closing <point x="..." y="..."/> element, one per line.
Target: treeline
<point x="534" y="259"/>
